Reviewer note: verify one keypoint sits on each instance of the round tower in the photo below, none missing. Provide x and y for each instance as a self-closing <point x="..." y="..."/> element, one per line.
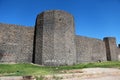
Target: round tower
<point x="111" y="48"/>
<point x="54" y="39"/>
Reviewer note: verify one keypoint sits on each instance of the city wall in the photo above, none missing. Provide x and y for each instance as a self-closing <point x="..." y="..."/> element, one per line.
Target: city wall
<point x="55" y="39"/>
<point x="118" y="52"/>
<point x="53" y="43"/>
<point x="16" y="43"/>
<point x="90" y="49"/>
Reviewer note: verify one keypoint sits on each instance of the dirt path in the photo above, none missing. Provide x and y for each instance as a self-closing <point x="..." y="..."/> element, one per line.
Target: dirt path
<point x="79" y="74"/>
<point x="87" y="74"/>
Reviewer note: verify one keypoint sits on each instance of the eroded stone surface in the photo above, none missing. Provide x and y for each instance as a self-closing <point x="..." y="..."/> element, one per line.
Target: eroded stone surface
<point x="53" y="43"/>
<point x="16" y="43"/>
<point x="55" y="39"/>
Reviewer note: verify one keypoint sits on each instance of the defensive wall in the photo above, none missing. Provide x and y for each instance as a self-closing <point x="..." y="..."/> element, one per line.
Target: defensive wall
<point x="53" y="43"/>
<point x="16" y="43"/>
<point x="90" y="49"/>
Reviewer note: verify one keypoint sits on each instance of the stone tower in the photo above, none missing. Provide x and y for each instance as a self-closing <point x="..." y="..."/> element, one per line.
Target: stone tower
<point x="54" y="39"/>
<point x="111" y="48"/>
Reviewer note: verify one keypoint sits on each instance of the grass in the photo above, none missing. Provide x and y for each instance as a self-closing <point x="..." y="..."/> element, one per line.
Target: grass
<point x="109" y="64"/>
<point x="31" y="69"/>
<point x="23" y="69"/>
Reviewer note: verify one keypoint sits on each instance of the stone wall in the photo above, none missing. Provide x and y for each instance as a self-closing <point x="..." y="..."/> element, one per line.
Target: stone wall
<point x="53" y="43"/>
<point x="54" y="40"/>
<point x="118" y="53"/>
<point x="64" y="35"/>
<point x="111" y="48"/>
<point x="16" y="43"/>
<point x="90" y="49"/>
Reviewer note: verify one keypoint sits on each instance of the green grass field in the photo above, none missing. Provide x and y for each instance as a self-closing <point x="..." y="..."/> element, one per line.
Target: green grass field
<point x="31" y="69"/>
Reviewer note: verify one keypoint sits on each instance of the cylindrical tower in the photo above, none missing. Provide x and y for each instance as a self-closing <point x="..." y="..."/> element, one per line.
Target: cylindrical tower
<point x="111" y="48"/>
<point x="54" y="39"/>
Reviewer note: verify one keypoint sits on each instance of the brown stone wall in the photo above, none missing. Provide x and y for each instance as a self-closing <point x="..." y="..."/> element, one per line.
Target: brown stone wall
<point x="16" y="43"/>
<point x="64" y="44"/>
<point x="118" y="53"/>
<point x="53" y="43"/>
<point x="56" y="31"/>
<point x="90" y="49"/>
<point x="111" y="48"/>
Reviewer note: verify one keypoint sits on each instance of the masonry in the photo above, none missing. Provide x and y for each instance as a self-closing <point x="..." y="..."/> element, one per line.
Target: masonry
<point x="53" y="43"/>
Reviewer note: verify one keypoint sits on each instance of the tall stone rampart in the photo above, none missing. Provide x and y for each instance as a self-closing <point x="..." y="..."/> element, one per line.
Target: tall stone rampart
<point x="16" y="43"/>
<point x="90" y="49"/>
<point x="54" y="39"/>
<point x="118" y="52"/>
<point x="53" y="43"/>
<point x="111" y="48"/>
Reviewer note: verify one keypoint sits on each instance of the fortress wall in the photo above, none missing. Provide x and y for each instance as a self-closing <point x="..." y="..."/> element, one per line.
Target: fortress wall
<point x="44" y="38"/>
<point x="64" y="36"/>
<point x="54" y="39"/>
<point x="16" y="43"/>
<point x="118" y="53"/>
<point x="90" y="49"/>
<point x="111" y="48"/>
<point x="55" y="42"/>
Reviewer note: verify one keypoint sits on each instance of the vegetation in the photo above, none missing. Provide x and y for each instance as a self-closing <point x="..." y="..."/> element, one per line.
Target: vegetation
<point x="24" y="69"/>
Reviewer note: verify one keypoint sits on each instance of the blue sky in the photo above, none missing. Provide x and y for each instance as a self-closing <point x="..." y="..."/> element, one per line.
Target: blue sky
<point x="93" y="18"/>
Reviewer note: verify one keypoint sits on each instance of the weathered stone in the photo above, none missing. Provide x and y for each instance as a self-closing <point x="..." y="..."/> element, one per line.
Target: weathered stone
<point x="54" y="40"/>
<point x="90" y="50"/>
<point x="111" y="48"/>
<point x="53" y="43"/>
<point x="16" y="43"/>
